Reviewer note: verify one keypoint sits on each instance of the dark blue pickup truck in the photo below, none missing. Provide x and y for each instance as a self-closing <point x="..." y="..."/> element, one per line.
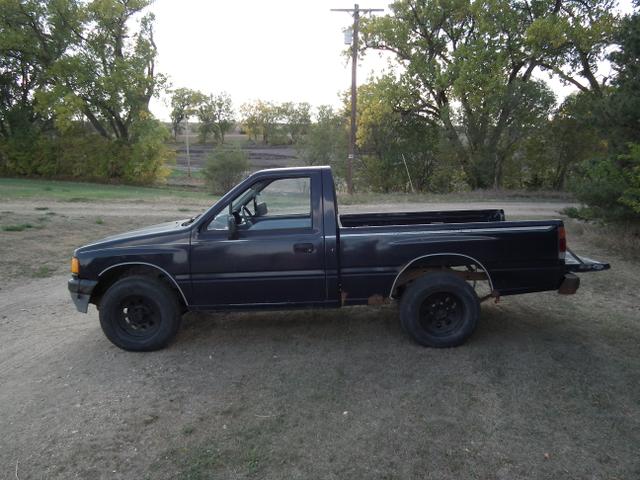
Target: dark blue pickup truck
<point x="277" y="241"/>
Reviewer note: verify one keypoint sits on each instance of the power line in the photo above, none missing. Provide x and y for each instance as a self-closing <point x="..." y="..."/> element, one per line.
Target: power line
<point x="355" y="11"/>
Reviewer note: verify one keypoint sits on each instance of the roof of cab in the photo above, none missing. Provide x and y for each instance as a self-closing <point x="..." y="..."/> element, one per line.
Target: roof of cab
<point x="292" y="169"/>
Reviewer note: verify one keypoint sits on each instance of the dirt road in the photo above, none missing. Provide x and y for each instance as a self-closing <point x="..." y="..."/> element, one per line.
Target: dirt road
<point x="548" y="387"/>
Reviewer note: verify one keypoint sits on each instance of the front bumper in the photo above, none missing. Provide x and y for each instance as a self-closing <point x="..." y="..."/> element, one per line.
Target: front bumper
<point x="80" y="290"/>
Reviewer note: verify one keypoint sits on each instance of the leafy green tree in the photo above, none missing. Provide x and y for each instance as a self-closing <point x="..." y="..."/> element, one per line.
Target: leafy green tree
<point x="110" y="76"/>
<point x="296" y="118"/>
<point x="260" y="118"/>
<point x="610" y="183"/>
<point x="66" y="61"/>
<point x="276" y="123"/>
<point x="325" y="142"/>
<point x="184" y="103"/>
<point x="398" y="147"/>
<point x="215" y="113"/>
<point x="469" y="66"/>
<point x="250" y="119"/>
<point x="34" y="35"/>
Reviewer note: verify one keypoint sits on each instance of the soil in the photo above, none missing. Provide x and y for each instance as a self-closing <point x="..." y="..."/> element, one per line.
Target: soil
<point x="548" y="387"/>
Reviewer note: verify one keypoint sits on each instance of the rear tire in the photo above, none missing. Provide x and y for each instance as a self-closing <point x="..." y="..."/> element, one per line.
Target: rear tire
<point x="140" y="313"/>
<point x="439" y="310"/>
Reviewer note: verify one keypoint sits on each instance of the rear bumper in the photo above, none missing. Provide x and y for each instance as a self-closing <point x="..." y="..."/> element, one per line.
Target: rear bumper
<point x="80" y="291"/>
<point x="576" y="264"/>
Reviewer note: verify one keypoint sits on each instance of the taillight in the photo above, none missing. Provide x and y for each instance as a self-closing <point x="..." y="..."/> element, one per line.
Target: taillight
<point x="562" y="242"/>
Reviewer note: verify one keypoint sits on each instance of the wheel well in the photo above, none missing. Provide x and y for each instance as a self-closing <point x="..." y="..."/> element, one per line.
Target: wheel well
<point x="466" y="268"/>
<point x="111" y="276"/>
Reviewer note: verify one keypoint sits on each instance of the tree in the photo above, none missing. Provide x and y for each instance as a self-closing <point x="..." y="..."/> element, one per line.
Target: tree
<point x="184" y="102"/>
<point x="250" y="119"/>
<point x="215" y="113"/>
<point x="469" y="64"/>
<point x="399" y="148"/>
<point x="297" y="118"/>
<point x="276" y="123"/>
<point x="110" y="76"/>
<point x="326" y="140"/>
<point x="66" y="61"/>
<point x="610" y="183"/>
<point x="34" y="36"/>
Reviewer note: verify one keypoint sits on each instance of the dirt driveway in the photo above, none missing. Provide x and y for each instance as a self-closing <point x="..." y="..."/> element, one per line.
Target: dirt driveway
<point x="548" y="387"/>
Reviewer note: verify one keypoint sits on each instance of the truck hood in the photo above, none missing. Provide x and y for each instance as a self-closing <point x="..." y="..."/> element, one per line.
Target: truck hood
<point x="160" y="233"/>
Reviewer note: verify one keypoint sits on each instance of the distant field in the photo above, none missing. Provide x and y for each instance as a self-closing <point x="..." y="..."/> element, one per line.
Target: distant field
<point x="19" y="188"/>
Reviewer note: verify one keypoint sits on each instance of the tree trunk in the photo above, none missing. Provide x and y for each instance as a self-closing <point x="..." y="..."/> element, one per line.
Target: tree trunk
<point x="498" y="171"/>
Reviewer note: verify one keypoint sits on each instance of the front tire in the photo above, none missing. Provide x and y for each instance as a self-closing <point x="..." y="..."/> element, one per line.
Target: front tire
<point x="439" y="310"/>
<point x="139" y="313"/>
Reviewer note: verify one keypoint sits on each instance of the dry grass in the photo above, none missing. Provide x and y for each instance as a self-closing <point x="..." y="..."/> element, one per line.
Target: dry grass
<point x="623" y="239"/>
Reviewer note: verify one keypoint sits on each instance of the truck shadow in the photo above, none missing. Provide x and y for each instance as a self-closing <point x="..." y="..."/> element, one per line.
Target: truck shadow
<point x="498" y="325"/>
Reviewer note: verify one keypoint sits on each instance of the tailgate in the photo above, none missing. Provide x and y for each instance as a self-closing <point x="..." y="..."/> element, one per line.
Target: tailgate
<point x="574" y="263"/>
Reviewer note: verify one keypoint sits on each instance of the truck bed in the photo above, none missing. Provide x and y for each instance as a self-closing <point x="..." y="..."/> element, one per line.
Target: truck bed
<point x="420" y="218"/>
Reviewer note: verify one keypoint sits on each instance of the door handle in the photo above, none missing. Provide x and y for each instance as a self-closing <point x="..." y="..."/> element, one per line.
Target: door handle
<point x="303" y="247"/>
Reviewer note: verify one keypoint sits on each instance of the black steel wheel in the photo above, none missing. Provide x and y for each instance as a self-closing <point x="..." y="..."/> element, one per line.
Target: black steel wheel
<point x="439" y="310"/>
<point x="139" y="313"/>
<point x="138" y="316"/>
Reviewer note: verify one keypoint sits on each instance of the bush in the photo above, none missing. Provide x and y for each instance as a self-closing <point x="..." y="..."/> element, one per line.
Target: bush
<point x="80" y="153"/>
<point x="224" y="169"/>
<point x="610" y="186"/>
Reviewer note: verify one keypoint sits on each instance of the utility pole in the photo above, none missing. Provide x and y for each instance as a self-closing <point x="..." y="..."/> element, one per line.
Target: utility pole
<point x="355" y="11"/>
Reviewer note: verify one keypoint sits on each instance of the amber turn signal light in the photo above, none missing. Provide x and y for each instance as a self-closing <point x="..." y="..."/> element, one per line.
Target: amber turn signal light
<point x="75" y="266"/>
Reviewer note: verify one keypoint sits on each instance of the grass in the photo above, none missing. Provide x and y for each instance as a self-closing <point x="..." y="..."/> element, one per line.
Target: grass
<point x="23" y="188"/>
<point x="622" y="238"/>
<point x="99" y="221"/>
<point x="43" y="271"/>
<point x="179" y="173"/>
<point x="17" y="227"/>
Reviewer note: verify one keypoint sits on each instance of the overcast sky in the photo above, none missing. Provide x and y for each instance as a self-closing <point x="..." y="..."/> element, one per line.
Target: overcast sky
<point x="278" y="50"/>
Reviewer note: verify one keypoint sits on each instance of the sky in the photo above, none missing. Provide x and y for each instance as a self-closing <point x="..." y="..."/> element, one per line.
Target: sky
<point x="278" y="50"/>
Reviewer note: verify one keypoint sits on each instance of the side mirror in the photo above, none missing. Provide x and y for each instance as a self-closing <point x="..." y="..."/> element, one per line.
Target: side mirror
<point x="261" y="209"/>
<point x="232" y="227"/>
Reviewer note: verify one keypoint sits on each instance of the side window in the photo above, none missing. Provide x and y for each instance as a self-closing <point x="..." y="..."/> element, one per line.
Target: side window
<point x="281" y="204"/>
<point x="220" y="221"/>
<point x="287" y="197"/>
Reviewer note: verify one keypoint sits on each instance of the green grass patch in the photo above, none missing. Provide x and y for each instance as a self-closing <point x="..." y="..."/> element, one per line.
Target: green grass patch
<point x="43" y="271"/>
<point x="41" y="208"/>
<point x="179" y="173"/>
<point x="23" y="188"/>
<point x="16" y="228"/>
<point x="99" y="221"/>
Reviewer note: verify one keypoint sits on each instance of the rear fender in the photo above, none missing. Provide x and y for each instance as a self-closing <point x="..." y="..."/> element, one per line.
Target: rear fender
<point x="436" y="261"/>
